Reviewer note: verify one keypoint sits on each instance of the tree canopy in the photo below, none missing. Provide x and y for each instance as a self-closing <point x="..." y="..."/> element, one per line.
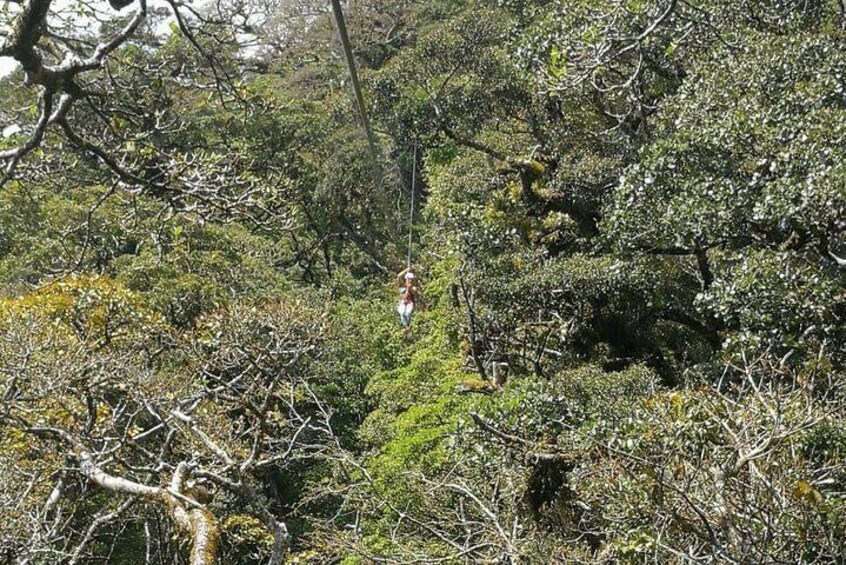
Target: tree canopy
<point x="628" y="229"/>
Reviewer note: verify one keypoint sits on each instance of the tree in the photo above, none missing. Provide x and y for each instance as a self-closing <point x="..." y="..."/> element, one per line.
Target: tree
<point x="101" y="407"/>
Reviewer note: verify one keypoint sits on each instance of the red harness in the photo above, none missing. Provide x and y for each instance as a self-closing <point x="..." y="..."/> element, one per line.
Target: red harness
<point x="407" y="294"/>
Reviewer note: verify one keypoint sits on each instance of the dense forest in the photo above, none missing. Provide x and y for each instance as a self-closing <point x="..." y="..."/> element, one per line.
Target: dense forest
<point x="627" y="221"/>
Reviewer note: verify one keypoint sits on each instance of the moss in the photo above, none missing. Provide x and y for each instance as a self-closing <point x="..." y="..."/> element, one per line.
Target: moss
<point x="242" y="529"/>
<point x="475" y="384"/>
<point x="206" y="553"/>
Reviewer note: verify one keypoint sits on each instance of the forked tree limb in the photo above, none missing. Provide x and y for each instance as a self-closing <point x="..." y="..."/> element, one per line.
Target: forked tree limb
<point x="189" y="516"/>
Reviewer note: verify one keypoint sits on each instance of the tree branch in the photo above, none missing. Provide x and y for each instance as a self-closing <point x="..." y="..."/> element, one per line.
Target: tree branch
<point x="22" y="44"/>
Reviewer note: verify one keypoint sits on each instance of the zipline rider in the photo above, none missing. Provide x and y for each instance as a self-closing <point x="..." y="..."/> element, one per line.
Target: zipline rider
<point x="408" y="295"/>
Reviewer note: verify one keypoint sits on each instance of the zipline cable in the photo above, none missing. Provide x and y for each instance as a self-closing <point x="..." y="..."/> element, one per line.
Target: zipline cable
<point x="411" y="206"/>
<point x="365" y="121"/>
<point x="356" y="84"/>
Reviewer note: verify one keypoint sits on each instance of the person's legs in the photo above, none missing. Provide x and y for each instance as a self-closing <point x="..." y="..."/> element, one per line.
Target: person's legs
<point x="405" y="311"/>
<point x="405" y="318"/>
<point x="409" y="308"/>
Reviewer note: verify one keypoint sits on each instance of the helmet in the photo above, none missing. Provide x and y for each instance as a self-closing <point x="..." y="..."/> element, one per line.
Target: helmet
<point x="409" y="276"/>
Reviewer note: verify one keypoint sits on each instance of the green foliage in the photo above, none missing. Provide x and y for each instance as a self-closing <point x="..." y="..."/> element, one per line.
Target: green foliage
<point x="630" y="343"/>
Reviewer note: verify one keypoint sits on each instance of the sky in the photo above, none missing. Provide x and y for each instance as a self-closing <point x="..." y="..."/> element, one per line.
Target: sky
<point x="7" y="65"/>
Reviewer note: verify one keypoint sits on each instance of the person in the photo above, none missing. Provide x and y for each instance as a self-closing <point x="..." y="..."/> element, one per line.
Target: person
<point x="408" y="295"/>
